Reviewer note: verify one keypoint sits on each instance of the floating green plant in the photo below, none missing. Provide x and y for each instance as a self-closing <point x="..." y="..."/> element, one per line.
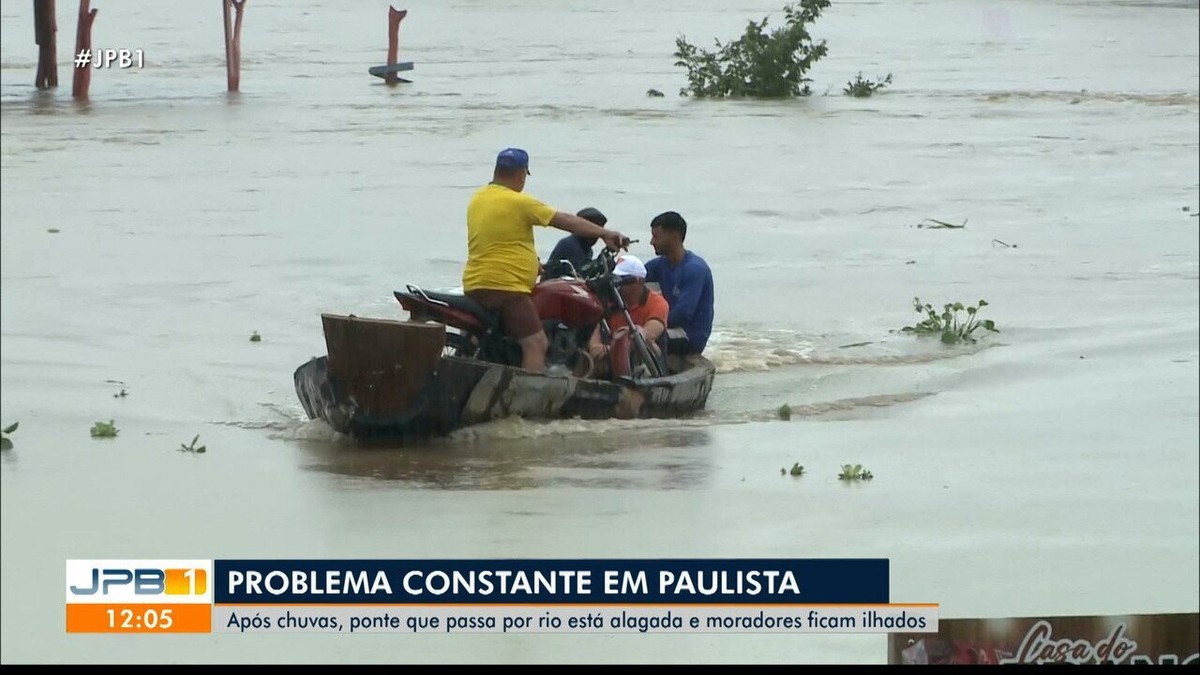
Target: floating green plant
<point x="104" y="430"/>
<point x="854" y="472"/>
<point x="862" y="88"/>
<point x="950" y="324"/>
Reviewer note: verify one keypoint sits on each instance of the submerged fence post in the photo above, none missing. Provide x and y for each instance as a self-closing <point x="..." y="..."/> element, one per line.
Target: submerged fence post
<point x="45" y="29"/>
<point x="394" y="18"/>
<point x="83" y="42"/>
<point x="233" y="42"/>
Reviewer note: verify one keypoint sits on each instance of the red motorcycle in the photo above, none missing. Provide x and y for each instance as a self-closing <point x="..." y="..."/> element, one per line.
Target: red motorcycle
<point x="570" y="307"/>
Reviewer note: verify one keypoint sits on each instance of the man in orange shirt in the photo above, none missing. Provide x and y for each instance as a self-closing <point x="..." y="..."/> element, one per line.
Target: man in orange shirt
<point x="647" y="308"/>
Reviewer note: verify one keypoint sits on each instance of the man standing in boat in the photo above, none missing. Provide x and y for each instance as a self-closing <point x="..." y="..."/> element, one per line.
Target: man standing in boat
<point x="502" y="263"/>
<point x="685" y="281"/>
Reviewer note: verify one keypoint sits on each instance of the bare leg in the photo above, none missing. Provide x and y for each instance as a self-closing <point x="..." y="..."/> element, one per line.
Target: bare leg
<point x="533" y="352"/>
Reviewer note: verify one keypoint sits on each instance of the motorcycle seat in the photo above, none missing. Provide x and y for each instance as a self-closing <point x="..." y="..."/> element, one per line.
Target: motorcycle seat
<point x="464" y="303"/>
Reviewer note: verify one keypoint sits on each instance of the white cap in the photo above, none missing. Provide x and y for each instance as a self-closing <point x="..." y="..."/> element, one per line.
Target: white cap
<point x="629" y="266"/>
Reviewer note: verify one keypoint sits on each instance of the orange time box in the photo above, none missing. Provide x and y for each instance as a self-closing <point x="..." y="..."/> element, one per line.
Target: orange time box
<point x="130" y="618"/>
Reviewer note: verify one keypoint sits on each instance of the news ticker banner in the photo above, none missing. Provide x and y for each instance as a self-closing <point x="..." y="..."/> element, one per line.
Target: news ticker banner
<point x="489" y="596"/>
<point x="1136" y="639"/>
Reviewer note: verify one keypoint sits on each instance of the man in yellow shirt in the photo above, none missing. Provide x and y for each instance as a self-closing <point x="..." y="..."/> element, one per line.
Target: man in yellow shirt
<point x="502" y="263"/>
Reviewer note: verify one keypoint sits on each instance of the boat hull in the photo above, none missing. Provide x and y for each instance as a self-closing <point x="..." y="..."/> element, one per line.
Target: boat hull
<point x="463" y="392"/>
<point x="386" y="380"/>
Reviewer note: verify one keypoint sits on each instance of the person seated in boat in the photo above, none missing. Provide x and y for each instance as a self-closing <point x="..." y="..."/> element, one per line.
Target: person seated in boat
<point x="647" y="307"/>
<point x="502" y="263"/>
<point x="685" y="281"/>
<point x="573" y="248"/>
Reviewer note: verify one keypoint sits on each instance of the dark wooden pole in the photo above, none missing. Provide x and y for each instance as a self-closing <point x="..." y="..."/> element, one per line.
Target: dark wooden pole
<point x="233" y="42"/>
<point x="395" y="16"/>
<point x="83" y="40"/>
<point x="239" y="7"/>
<point x="45" y="28"/>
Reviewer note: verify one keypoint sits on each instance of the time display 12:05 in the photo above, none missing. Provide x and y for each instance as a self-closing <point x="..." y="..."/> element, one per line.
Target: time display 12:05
<point x="139" y="618"/>
<point x="149" y="617"/>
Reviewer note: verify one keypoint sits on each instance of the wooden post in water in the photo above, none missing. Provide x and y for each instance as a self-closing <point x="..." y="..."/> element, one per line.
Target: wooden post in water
<point x="395" y="16"/>
<point x="45" y="28"/>
<point x="83" y="41"/>
<point x="233" y="42"/>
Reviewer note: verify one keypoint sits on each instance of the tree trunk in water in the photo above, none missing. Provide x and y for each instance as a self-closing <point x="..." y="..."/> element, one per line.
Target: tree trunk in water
<point x="45" y="28"/>
<point x="233" y="42"/>
<point x="83" y="41"/>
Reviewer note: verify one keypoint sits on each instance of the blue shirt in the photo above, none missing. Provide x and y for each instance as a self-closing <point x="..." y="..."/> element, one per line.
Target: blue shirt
<point x="688" y="288"/>
<point x="574" y="248"/>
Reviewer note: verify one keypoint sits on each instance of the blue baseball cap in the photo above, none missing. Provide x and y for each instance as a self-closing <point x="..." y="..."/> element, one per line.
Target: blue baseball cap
<point x="513" y="158"/>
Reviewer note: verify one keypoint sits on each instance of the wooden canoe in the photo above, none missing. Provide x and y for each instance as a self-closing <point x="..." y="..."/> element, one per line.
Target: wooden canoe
<point x="385" y="379"/>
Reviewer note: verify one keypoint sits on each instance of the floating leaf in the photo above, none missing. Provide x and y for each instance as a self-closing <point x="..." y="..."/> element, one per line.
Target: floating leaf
<point x="11" y="428"/>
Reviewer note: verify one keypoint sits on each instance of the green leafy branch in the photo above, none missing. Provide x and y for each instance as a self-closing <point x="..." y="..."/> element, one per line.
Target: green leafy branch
<point x="862" y="88"/>
<point x="758" y="64"/>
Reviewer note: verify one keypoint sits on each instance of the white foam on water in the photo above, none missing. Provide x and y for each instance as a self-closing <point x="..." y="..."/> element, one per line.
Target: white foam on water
<point x="749" y="350"/>
<point x="517" y="428"/>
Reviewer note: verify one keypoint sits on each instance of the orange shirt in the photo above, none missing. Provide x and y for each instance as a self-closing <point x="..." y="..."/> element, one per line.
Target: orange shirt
<point x="654" y="307"/>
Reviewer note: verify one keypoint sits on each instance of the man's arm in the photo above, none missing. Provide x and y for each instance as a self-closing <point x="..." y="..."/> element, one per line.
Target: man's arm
<point x="652" y="329"/>
<point x="596" y="347"/>
<point x="584" y="228"/>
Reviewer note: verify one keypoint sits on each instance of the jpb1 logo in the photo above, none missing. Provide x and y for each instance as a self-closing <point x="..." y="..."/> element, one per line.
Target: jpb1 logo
<point x="146" y="581"/>
<point x="138" y="580"/>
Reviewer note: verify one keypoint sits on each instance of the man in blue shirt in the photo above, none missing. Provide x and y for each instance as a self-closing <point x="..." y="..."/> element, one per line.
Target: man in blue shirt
<point x="573" y="248"/>
<point x="685" y="280"/>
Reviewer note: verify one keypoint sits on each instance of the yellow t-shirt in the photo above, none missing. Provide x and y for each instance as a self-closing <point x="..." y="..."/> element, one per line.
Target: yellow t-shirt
<point x="500" y="252"/>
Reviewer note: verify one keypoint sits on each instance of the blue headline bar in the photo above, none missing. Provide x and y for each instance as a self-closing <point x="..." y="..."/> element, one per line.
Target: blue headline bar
<point x="590" y="581"/>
